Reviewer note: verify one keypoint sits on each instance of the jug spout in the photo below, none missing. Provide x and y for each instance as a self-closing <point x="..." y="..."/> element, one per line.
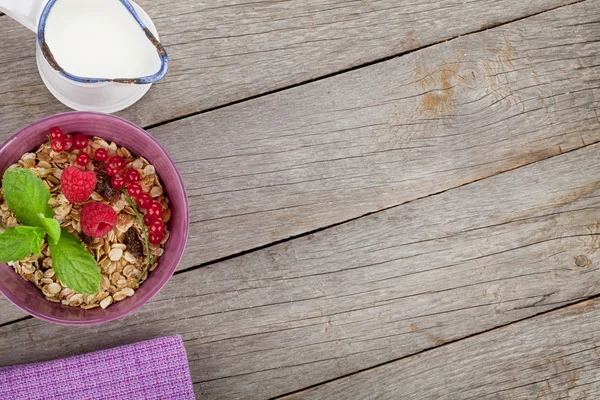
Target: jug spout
<point x="26" y="12"/>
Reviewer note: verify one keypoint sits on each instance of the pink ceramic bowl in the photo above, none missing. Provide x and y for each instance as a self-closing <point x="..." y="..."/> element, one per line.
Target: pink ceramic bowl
<point x="24" y="294"/>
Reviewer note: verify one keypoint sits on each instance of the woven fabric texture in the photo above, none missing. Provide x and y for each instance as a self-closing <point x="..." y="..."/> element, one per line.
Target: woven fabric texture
<point x="154" y="369"/>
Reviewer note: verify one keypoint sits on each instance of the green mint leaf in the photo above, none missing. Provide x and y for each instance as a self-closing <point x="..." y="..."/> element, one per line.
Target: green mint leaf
<point x="20" y="242"/>
<point x="74" y="266"/>
<point x="26" y="195"/>
<point x="52" y="228"/>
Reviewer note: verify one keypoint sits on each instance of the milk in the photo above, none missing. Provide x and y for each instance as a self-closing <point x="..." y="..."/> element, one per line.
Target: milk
<point x="99" y="39"/>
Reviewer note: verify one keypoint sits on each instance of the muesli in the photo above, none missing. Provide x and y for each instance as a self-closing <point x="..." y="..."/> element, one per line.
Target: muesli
<point x="83" y="219"/>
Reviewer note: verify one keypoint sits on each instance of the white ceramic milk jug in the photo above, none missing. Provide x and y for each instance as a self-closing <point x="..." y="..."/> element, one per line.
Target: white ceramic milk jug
<point x="93" y="55"/>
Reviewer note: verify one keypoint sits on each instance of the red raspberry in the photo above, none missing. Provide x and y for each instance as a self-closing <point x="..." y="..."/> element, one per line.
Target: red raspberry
<point x="97" y="219"/>
<point x="77" y="185"/>
<point x="101" y="155"/>
<point x="80" y="141"/>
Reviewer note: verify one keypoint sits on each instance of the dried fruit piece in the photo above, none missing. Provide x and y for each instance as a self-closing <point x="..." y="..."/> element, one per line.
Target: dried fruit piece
<point x="133" y="243"/>
<point x="104" y="188"/>
<point x="86" y="239"/>
<point x="97" y="219"/>
<point x="77" y="185"/>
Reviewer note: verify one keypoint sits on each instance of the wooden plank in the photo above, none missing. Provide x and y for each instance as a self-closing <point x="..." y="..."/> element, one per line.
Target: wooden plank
<point x="233" y="49"/>
<point x="371" y="290"/>
<point x="9" y="312"/>
<point x="368" y="140"/>
<point x="330" y="151"/>
<point x="554" y="356"/>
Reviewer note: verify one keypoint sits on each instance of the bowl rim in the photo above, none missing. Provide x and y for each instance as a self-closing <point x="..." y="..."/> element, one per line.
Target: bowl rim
<point x="177" y="258"/>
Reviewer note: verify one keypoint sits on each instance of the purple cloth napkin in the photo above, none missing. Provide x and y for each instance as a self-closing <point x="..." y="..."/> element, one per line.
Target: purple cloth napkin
<point x="154" y="369"/>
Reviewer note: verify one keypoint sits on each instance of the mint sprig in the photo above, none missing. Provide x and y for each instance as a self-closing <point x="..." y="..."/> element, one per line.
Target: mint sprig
<point x="27" y="197"/>
<point x="74" y="266"/>
<point x="52" y="228"/>
<point x="19" y="242"/>
<point x="144" y="237"/>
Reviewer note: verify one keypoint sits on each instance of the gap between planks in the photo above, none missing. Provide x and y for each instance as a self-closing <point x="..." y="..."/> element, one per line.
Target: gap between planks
<point x="272" y="244"/>
<point x="307" y="233"/>
<point x="436" y="347"/>
<point x="288" y="235"/>
<point x="343" y="222"/>
<point x="388" y="32"/>
<point x="232" y="188"/>
<point x="312" y="232"/>
<point x="354" y="68"/>
<point x="189" y="270"/>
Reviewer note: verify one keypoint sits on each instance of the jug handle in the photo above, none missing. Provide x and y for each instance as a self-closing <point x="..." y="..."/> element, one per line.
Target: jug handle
<point x="26" y="12"/>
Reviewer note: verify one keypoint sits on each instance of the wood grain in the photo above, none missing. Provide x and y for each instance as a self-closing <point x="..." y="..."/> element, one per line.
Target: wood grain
<point x="424" y="272"/>
<point x="9" y="312"/>
<point x="371" y="290"/>
<point x="336" y="149"/>
<point x="555" y="356"/>
<point x="229" y="50"/>
<point x="371" y="139"/>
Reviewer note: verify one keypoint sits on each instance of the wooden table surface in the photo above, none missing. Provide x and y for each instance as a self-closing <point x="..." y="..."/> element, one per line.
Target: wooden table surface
<point x="389" y="198"/>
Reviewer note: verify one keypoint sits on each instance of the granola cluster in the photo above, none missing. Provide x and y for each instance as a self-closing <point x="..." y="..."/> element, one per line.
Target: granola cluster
<point x="120" y="254"/>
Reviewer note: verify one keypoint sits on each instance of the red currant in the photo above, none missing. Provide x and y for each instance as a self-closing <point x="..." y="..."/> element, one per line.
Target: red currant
<point x="83" y="159"/>
<point x="154" y="238"/>
<point x="80" y="141"/>
<point x="117" y="182"/>
<point x="144" y="200"/>
<point x="132" y="176"/>
<point x="154" y="210"/>
<point x="101" y="155"/>
<point x="68" y="143"/>
<point x="56" y="133"/>
<point x="112" y="171"/>
<point x="117" y="163"/>
<point x="58" y="145"/>
<point x="148" y="220"/>
<point x="135" y="190"/>
<point x="156" y="227"/>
